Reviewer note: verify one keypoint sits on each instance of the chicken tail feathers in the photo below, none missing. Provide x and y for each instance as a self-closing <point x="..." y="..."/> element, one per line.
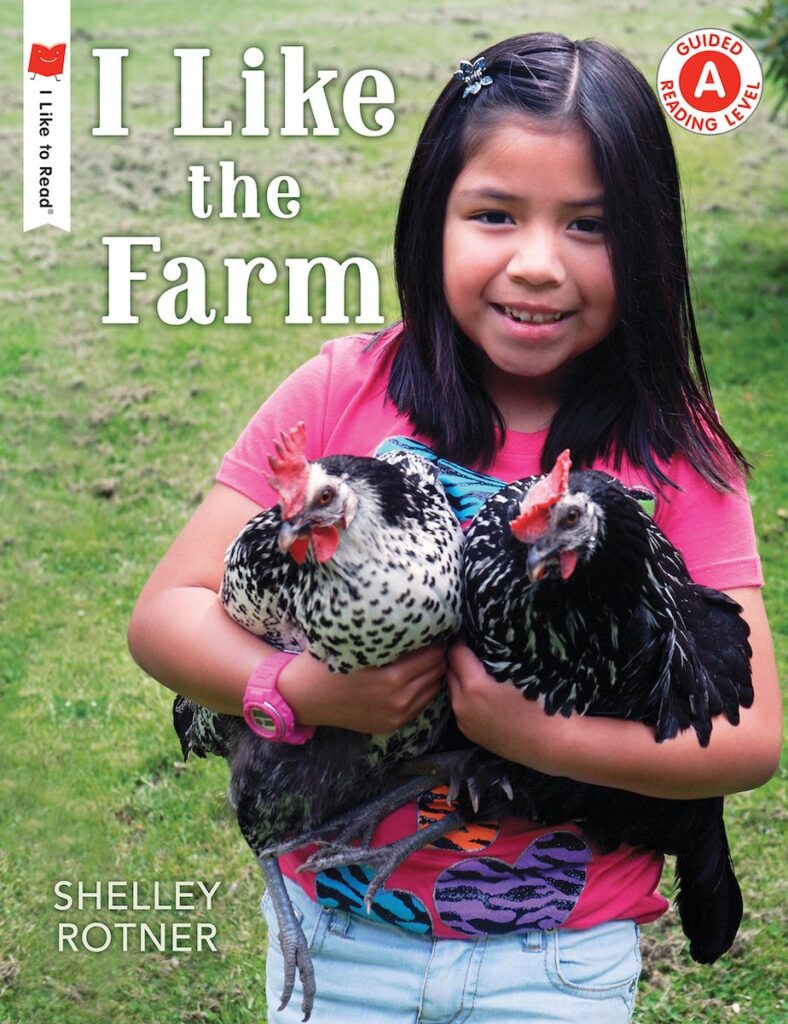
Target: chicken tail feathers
<point x="202" y="731"/>
<point x="708" y="896"/>
<point x="182" y="719"/>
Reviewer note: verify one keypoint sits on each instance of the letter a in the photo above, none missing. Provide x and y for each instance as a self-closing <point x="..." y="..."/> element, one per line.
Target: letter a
<point x="709" y="81"/>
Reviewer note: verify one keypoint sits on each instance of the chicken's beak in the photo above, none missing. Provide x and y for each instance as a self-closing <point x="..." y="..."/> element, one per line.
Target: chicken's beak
<point x="289" y="532"/>
<point x="542" y="558"/>
<point x="537" y="563"/>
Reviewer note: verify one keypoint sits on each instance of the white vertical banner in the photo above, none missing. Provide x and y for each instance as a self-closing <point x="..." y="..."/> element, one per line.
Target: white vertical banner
<point x="46" y="75"/>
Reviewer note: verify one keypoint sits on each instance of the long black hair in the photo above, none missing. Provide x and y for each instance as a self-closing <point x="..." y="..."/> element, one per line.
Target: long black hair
<point x="643" y="390"/>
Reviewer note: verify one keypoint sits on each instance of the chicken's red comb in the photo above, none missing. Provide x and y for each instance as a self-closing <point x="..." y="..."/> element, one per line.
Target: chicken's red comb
<point x="290" y="470"/>
<point x="534" y="517"/>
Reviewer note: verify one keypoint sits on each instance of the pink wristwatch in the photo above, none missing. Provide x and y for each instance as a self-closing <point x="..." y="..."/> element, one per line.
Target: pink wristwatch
<point x="266" y="711"/>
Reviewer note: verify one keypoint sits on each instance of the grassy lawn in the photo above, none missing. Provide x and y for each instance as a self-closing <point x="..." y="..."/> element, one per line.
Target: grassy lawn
<point x="111" y="435"/>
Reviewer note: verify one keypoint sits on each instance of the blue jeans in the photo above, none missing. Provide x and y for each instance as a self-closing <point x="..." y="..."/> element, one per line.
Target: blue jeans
<point x="375" y="973"/>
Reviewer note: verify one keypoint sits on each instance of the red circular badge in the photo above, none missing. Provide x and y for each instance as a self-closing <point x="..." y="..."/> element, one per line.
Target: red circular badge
<point x="709" y="81"/>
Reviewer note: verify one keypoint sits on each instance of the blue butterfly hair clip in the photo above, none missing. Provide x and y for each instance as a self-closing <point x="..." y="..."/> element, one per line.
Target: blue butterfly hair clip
<point x="473" y="75"/>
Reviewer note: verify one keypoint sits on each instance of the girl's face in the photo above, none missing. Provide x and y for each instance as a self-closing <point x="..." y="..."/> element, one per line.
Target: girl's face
<point x="526" y="268"/>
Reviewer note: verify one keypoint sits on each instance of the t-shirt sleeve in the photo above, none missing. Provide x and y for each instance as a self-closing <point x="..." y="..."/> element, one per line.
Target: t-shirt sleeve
<point x="713" y="530"/>
<point x="302" y="396"/>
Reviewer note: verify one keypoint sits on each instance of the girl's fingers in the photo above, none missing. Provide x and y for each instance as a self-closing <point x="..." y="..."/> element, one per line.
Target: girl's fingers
<point x="424" y="659"/>
<point x="461" y="658"/>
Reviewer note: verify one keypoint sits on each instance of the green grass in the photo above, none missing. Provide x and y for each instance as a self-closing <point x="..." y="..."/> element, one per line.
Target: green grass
<point x="111" y="436"/>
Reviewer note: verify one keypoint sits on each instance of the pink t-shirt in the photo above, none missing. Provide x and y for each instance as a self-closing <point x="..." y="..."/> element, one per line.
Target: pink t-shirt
<point x="540" y="877"/>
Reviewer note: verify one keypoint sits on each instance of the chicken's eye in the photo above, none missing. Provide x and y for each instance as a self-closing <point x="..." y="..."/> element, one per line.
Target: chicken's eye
<point x="571" y="517"/>
<point x="326" y="496"/>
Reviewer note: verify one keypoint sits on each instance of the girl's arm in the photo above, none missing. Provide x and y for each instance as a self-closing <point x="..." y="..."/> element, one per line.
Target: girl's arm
<point x="180" y="634"/>
<point x="624" y="754"/>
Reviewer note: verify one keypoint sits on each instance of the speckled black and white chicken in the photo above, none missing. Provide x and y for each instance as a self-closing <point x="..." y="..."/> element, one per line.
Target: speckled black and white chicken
<point x="573" y="595"/>
<point x="359" y="563"/>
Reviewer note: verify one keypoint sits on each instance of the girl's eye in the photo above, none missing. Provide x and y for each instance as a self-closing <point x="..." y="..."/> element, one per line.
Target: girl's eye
<point x="326" y="496"/>
<point x="493" y="217"/>
<point x="588" y="225"/>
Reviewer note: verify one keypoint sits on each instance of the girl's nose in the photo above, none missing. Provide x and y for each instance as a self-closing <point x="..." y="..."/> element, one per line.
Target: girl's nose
<point x="536" y="260"/>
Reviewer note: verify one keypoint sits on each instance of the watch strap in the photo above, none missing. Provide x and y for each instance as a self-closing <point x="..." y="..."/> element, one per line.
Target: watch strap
<point x="266" y="712"/>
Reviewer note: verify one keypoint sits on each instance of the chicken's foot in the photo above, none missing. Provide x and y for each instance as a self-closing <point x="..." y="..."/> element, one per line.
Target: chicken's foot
<point x="291" y="937"/>
<point x="359" y="822"/>
<point x="473" y="768"/>
<point x="384" y="858"/>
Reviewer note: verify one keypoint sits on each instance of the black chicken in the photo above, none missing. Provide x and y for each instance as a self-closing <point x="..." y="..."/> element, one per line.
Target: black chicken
<point x="359" y="563"/>
<point x="573" y="595"/>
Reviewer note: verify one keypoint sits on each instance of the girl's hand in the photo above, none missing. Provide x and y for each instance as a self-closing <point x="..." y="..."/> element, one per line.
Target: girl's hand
<point x="494" y="715"/>
<point x="371" y="700"/>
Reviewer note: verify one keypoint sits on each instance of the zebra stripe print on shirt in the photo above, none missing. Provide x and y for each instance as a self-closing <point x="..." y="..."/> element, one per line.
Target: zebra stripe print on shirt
<point x="344" y="889"/>
<point x="485" y="896"/>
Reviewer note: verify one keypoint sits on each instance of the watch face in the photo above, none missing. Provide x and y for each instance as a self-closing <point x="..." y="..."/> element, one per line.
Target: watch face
<point x="263" y="720"/>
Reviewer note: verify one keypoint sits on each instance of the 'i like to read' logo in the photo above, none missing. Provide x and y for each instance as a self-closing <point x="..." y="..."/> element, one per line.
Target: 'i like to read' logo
<point x="709" y="81"/>
<point x="47" y="60"/>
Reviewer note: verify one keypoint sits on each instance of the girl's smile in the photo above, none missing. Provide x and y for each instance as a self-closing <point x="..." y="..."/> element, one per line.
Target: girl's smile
<point x="527" y="272"/>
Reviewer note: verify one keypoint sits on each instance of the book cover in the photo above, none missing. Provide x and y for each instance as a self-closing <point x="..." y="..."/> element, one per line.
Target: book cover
<point x="194" y="197"/>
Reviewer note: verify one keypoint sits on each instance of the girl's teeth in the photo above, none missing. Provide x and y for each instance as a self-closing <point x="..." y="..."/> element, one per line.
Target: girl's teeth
<point x="532" y="318"/>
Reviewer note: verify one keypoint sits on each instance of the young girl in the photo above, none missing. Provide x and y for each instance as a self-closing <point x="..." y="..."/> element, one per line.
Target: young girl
<point x="546" y="305"/>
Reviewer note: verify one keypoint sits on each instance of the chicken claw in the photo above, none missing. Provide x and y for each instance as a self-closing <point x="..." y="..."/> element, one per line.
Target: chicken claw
<point x="472" y="770"/>
<point x="357" y="823"/>
<point x="291" y="938"/>
<point x="385" y="858"/>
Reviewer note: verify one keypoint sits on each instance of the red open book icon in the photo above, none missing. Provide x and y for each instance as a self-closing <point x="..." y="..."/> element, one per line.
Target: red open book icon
<point x="47" y="60"/>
